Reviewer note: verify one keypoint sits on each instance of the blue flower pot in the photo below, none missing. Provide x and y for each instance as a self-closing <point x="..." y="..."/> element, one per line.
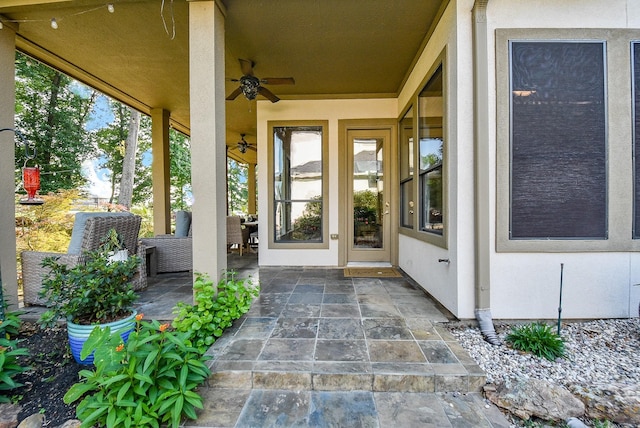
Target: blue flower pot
<point x="78" y="334"/>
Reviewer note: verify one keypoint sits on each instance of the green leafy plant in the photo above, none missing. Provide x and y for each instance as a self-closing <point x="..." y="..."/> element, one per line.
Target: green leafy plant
<point x="96" y="291"/>
<point x="215" y="308"/>
<point x="147" y="382"/>
<point x="9" y="353"/>
<point x="538" y="339"/>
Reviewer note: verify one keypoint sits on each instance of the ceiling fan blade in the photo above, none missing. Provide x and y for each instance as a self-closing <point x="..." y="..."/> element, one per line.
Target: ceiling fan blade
<point x="233" y="95"/>
<point x="246" y="66"/>
<point x="268" y="94"/>
<point x="278" y="81"/>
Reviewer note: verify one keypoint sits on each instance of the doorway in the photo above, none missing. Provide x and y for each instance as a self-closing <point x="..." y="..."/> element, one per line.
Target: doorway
<point x="368" y="199"/>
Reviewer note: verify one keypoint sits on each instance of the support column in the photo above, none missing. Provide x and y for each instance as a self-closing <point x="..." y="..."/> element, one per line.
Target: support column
<point x="8" y="272"/>
<point x="208" y="155"/>
<point x="251" y="189"/>
<point x="160" y="171"/>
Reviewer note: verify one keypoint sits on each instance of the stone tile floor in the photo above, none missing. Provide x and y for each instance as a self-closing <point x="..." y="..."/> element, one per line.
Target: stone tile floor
<point x="321" y="350"/>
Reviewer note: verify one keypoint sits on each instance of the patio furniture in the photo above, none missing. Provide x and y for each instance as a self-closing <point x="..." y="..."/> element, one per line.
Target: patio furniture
<point x="173" y="253"/>
<point x="88" y="231"/>
<point x="236" y="233"/>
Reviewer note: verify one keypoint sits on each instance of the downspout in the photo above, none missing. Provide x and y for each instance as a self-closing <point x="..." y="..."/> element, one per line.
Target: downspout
<point x="481" y="174"/>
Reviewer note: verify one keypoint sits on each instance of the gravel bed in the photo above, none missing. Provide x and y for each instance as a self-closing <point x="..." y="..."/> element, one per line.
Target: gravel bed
<point x="598" y="352"/>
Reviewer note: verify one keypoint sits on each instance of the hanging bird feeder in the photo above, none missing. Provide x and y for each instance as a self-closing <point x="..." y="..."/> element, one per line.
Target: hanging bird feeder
<point x="30" y="174"/>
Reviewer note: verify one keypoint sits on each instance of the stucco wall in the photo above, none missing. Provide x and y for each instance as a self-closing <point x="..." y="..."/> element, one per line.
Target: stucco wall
<point x="331" y="111"/>
<point x="595" y="284"/>
<point x="451" y="283"/>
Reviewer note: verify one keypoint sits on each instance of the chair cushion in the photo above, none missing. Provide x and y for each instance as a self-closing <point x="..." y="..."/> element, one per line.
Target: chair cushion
<point x="77" y="232"/>
<point x="183" y="223"/>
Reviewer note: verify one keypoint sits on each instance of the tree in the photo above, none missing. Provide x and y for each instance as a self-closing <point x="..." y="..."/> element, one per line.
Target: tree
<point x="179" y="170"/>
<point x="125" y="137"/>
<point x="237" y="190"/>
<point x="129" y="161"/>
<point x="51" y="113"/>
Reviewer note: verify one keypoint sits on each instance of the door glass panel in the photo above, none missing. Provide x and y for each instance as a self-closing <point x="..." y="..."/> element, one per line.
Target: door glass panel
<point x="368" y="204"/>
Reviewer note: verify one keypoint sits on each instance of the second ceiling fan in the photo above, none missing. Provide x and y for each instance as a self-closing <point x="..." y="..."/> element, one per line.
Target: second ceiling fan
<point x="251" y="86"/>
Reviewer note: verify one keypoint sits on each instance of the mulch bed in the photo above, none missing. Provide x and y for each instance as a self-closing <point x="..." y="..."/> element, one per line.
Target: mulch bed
<point x="53" y="371"/>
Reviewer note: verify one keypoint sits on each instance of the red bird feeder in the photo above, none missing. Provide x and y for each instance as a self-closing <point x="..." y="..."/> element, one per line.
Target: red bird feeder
<point x="31" y="183"/>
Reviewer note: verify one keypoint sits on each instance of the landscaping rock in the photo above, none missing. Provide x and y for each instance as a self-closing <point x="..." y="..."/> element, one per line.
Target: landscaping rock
<point x="33" y="421"/>
<point x="9" y="415"/>
<point x="617" y="402"/>
<point x="533" y="397"/>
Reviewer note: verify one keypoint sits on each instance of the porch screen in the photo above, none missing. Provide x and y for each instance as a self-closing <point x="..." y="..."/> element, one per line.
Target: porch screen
<point x="558" y="140"/>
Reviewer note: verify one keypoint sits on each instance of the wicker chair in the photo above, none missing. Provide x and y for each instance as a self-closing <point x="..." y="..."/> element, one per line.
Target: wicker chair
<point x="236" y="233"/>
<point x="95" y="229"/>
<point x="172" y="253"/>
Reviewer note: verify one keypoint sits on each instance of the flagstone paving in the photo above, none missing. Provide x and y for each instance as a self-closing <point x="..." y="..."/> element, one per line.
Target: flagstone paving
<point x="321" y="350"/>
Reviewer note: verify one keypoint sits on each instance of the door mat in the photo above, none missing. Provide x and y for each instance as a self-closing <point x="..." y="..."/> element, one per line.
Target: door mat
<point x="371" y="272"/>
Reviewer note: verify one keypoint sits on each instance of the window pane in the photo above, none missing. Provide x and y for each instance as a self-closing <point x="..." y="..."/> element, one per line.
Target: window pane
<point x="431" y="189"/>
<point x="636" y="138"/>
<point x="298" y="183"/>
<point x="406" y="145"/>
<point x="298" y="221"/>
<point x="368" y="188"/>
<point x="431" y="111"/>
<point x="558" y="146"/>
<point x="406" y="202"/>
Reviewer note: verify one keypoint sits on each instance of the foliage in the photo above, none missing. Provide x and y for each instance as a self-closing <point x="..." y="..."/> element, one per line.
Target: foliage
<point x="365" y="207"/>
<point x="180" y="170"/>
<point x="213" y="311"/>
<point x="46" y="227"/>
<point x="94" y="291"/>
<point x="309" y="225"/>
<point x="110" y="141"/>
<point x="145" y="383"/>
<point x="238" y="191"/>
<point x="51" y="113"/>
<point x="538" y="339"/>
<point x="9" y="353"/>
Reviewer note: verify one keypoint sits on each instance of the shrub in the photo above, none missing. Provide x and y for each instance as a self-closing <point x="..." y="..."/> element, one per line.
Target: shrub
<point x="97" y="290"/>
<point x="9" y="353"/>
<point x="538" y="339"/>
<point x="148" y="382"/>
<point x="213" y="311"/>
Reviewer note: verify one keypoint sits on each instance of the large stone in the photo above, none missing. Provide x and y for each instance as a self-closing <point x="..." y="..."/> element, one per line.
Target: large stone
<point x="532" y="397"/>
<point x="34" y="421"/>
<point x="617" y="403"/>
<point x="9" y="415"/>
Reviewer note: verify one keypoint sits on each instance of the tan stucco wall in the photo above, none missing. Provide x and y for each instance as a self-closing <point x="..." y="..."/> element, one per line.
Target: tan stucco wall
<point x="331" y="111"/>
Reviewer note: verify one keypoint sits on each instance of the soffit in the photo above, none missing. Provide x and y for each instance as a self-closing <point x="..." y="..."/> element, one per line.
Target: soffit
<point x="333" y="48"/>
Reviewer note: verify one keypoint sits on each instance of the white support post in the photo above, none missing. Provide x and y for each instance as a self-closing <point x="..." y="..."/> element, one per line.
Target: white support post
<point x="208" y="156"/>
<point x="8" y="271"/>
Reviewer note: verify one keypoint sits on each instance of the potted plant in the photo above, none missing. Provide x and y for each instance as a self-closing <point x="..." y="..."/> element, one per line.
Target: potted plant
<point x="96" y="291"/>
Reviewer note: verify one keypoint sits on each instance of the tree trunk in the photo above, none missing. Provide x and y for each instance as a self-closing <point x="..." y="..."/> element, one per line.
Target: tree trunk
<point x="129" y="161"/>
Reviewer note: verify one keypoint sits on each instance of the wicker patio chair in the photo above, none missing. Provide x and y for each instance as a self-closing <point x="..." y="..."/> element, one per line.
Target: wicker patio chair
<point x="95" y="228"/>
<point x="236" y="233"/>
<point x="172" y="253"/>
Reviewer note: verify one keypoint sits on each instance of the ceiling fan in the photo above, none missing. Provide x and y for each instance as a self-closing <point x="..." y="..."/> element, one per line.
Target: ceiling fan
<point x="243" y="145"/>
<point x="251" y="86"/>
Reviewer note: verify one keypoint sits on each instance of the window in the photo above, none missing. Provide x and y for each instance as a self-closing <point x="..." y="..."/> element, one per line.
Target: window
<point x="422" y="196"/>
<point x="558" y="151"/>
<point x="406" y="170"/>
<point x="298" y="182"/>
<point x="635" y="52"/>
<point x="430" y="127"/>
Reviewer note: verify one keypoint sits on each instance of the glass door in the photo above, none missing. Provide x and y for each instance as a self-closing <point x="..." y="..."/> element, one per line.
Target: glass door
<point x="368" y="203"/>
